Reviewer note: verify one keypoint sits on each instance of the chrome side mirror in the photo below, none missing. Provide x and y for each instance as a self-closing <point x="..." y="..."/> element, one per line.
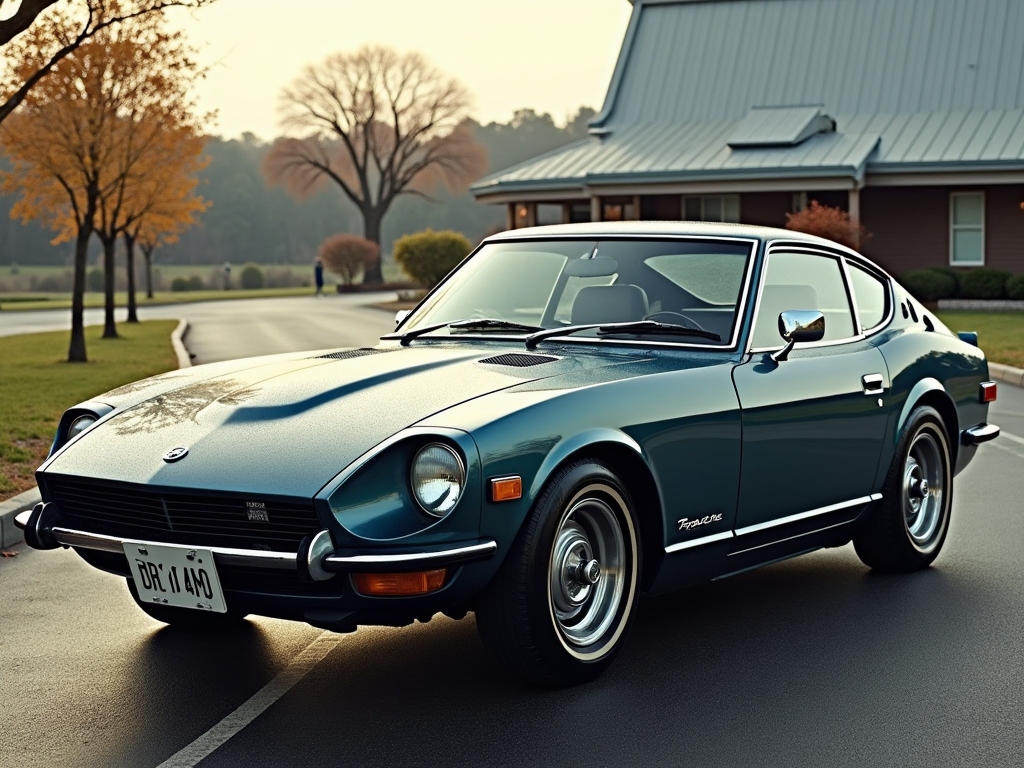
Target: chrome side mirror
<point x="400" y="315"/>
<point x="799" y="326"/>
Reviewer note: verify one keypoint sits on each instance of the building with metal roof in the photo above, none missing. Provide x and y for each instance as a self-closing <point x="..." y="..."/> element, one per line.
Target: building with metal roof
<point x="907" y="113"/>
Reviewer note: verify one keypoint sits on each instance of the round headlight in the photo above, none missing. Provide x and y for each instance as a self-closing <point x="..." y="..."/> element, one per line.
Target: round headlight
<point x="438" y="478"/>
<point x="79" y="425"/>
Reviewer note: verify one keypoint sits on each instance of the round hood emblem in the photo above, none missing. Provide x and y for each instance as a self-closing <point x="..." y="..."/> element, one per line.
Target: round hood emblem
<point x="176" y="454"/>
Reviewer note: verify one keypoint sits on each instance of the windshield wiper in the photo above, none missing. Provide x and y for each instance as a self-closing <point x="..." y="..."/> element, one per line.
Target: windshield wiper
<point x="484" y="324"/>
<point x="640" y="328"/>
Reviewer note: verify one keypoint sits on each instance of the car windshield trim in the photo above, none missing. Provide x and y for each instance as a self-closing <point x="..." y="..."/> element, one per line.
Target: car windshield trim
<point x="733" y="341"/>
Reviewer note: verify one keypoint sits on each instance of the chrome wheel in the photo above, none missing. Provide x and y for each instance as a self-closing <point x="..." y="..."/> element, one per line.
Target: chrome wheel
<point x="924" y="475"/>
<point x="592" y="571"/>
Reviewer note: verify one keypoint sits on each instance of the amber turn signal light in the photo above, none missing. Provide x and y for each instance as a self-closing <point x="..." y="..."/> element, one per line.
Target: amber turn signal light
<point x="988" y="392"/>
<point x="506" y="488"/>
<point x="399" y="584"/>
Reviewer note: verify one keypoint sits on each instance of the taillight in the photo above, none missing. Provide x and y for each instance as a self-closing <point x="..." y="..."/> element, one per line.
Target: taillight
<point x="988" y="392"/>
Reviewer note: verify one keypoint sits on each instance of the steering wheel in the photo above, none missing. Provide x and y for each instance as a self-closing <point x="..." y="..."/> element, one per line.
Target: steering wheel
<point x="676" y="318"/>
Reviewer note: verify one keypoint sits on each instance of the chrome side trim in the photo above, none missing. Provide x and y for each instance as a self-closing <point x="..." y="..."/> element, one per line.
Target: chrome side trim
<point x="810" y="513"/>
<point x="480" y="551"/>
<point x="226" y="555"/>
<point x="699" y="542"/>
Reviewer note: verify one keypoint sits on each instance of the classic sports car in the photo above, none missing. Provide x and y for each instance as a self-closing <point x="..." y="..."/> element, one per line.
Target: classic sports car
<point x="574" y="415"/>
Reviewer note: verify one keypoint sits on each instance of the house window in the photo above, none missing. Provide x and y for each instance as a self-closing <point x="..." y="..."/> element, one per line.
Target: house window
<point x="712" y="208"/>
<point x="548" y="214"/>
<point x="967" y="228"/>
<point x="799" y="201"/>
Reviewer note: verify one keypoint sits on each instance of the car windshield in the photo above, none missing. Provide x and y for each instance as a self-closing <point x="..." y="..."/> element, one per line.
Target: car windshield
<point x="695" y="284"/>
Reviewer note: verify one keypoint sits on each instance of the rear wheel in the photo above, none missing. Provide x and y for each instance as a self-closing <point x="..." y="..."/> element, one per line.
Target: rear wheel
<point x="558" y="611"/>
<point x="187" y="618"/>
<point x="907" y="529"/>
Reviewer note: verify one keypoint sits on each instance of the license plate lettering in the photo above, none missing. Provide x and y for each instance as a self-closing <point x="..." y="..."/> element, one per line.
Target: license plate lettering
<point x="174" y="575"/>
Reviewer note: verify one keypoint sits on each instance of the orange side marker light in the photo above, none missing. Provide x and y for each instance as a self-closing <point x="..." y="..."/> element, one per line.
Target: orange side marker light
<point x="399" y="584"/>
<point x="506" y="488"/>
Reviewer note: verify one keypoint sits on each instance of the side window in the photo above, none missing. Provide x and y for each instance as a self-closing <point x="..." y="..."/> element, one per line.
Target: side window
<point x="872" y="295"/>
<point x="802" y="281"/>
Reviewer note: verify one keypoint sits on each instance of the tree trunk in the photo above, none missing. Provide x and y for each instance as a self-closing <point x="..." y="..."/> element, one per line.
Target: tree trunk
<point x="76" y="350"/>
<point x="129" y="245"/>
<point x="147" y="253"/>
<point x="374" y="275"/>
<point x="109" y="326"/>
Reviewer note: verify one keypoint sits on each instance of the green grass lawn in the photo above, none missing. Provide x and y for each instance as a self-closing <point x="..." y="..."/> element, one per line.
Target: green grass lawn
<point x="37" y="386"/>
<point x="1000" y="334"/>
<point x="63" y="301"/>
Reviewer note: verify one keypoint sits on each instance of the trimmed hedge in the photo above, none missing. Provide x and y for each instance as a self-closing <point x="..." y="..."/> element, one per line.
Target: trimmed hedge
<point x="957" y="275"/>
<point x="928" y="284"/>
<point x="1015" y="288"/>
<point x="985" y="283"/>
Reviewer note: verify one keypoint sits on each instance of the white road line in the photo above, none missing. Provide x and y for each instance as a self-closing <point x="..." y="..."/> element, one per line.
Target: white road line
<point x="298" y="668"/>
<point x="1013" y="438"/>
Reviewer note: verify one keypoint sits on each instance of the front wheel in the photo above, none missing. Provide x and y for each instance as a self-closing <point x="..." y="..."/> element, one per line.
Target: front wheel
<point x="558" y="611"/>
<point x="908" y="527"/>
<point x="187" y="618"/>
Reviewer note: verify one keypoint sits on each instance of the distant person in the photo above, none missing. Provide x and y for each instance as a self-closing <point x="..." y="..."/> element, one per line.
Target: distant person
<point x="227" y="275"/>
<point x="318" y="271"/>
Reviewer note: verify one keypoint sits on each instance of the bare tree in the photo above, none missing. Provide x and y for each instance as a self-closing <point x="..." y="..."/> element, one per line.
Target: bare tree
<point x="379" y="124"/>
<point x="68" y="27"/>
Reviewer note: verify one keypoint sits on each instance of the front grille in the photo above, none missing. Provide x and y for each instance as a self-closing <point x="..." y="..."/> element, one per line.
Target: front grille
<point x="518" y="360"/>
<point x="200" y="518"/>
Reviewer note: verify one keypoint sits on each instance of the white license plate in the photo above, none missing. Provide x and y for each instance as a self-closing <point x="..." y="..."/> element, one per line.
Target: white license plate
<point x="170" y="574"/>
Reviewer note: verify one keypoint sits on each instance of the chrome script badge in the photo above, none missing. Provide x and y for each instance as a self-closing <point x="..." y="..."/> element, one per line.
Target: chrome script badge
<point x="687" y="523"/>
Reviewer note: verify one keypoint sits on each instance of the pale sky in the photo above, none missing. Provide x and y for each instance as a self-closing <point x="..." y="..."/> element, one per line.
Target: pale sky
<point x="551" y="55"/>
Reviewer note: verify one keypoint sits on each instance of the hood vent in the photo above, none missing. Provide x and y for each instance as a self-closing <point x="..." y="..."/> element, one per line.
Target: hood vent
<point x="515" y="360"/>
<point x="350" y="353"/>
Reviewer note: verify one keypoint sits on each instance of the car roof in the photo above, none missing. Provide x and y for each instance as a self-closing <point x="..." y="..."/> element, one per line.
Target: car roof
<point x="627" y="228"/>
<point x="676" y="229"/>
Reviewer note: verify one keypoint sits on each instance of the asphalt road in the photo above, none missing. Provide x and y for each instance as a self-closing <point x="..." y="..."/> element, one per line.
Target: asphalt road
<point x="811" y="662"/>
<point x="222" y="330"/>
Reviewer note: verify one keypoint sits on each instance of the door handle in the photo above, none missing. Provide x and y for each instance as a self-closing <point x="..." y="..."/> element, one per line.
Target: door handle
<point x="873" y="383"/>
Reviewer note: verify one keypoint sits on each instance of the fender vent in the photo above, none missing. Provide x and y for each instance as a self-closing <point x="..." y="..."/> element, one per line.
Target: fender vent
<point x="350" y="353"/>
<point x="518" y="360"/>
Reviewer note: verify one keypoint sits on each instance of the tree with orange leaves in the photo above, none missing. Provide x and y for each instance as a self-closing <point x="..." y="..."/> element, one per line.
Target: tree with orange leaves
<point x="87" y="143"/>
<point x="66" y="27"/>
<point x="379" y="124"/>
<point x="831" y="223"/>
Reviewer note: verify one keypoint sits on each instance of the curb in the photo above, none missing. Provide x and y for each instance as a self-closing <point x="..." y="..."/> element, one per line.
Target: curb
<point x="9" y="533"/>
<point x="1006" y="373"/>
<point x="177" y="342"/>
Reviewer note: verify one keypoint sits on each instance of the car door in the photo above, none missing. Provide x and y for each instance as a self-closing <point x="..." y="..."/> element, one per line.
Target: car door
<point x="813" y="424"/>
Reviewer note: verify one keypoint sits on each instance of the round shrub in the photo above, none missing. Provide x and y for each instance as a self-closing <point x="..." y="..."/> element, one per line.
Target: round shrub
<point x="252" y="277"/>
<point x="195" y="283"/>
<point x="985" y="283"/>
<point x="428" y="256"/>
<point x="348" y="256"/>
<point x="928" y="284"/>
<point x="179" y="284"/>
<point x="1015" y="288"/>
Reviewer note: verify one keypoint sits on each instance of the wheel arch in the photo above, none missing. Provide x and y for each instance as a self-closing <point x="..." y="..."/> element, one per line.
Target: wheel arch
<point x="624" y="456"/>
<point x="931" y="392"/>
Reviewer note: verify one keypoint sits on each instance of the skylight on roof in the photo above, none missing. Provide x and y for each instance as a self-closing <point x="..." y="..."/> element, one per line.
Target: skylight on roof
<point x="780" y="126"/>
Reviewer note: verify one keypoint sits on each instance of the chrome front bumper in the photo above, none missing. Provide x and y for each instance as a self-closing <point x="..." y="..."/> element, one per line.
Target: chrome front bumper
<point x="339" y="561"/>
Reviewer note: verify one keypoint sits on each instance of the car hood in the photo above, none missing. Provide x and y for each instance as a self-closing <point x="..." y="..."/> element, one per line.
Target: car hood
<point x="282" y="426"/>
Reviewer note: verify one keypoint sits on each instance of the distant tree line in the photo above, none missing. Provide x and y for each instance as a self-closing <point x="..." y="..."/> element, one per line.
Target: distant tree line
<point x="250" y="221"/>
